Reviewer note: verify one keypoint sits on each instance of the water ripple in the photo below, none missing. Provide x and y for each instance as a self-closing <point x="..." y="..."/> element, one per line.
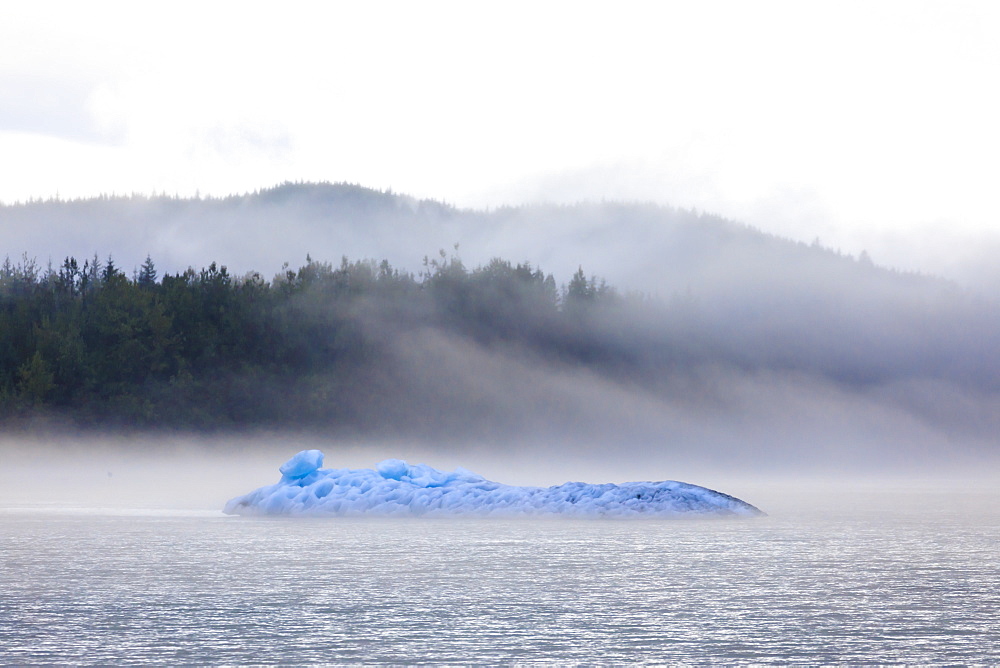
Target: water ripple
<point x="160" y="588"/>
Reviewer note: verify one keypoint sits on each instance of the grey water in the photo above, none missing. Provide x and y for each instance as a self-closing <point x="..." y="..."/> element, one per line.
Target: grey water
<point x="909" y="576"/>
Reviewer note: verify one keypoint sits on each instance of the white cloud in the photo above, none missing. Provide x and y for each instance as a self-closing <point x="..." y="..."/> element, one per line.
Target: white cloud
<point x="849" y="121"/>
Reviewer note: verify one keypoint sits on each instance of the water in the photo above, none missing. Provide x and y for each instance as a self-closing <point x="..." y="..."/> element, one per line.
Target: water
<point x="885" y="579"/>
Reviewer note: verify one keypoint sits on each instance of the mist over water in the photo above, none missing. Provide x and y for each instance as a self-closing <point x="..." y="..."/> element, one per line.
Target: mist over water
<point x="114" y="550"/>
<point x="857" y="406"/>
<point x="202" y="472"/>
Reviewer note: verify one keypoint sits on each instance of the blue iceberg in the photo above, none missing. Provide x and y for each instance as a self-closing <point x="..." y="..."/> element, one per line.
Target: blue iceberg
<point x="395" y="488"/>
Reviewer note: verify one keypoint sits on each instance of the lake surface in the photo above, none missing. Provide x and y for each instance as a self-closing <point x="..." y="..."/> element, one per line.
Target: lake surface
<point x="900" y="577"/>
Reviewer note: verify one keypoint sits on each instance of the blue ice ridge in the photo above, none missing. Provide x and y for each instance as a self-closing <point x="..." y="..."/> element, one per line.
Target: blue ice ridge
<point x="395" y="488"/>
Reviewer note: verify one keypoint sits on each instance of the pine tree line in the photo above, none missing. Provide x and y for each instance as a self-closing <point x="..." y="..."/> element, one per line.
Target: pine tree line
<point x="205" y="348"/>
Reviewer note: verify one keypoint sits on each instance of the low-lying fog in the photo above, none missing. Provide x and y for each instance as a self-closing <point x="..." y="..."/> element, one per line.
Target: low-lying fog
<point x="171" y="473"/>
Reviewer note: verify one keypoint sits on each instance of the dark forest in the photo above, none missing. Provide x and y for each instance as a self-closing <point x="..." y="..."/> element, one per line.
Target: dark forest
<point x="203" y="349"/>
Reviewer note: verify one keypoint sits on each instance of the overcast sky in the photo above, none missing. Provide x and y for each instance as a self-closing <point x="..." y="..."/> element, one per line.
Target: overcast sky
<point x="871" y="125"/>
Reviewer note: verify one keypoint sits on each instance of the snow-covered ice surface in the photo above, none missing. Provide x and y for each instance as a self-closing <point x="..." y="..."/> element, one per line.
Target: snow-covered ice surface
<point x="395" y="488"/>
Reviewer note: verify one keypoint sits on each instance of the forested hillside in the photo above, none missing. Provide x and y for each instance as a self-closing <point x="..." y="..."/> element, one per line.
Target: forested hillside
<point x="204" y="349"/>
<point x="362" y="347"/>
<point x="712" y="332"/>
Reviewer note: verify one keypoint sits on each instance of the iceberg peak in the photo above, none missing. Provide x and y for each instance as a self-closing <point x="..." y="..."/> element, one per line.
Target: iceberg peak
<point x="395" y="488"/>
<point x="302" y="464"/>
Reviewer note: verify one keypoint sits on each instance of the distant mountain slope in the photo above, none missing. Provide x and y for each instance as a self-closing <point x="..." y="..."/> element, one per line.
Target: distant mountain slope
<point x="646" y="247"/>
<point x="257" y="231"/>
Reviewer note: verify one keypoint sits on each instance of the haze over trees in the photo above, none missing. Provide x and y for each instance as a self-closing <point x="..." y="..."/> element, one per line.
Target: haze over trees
<point x="200" y="348"/>
<point x="714" y="333"/>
